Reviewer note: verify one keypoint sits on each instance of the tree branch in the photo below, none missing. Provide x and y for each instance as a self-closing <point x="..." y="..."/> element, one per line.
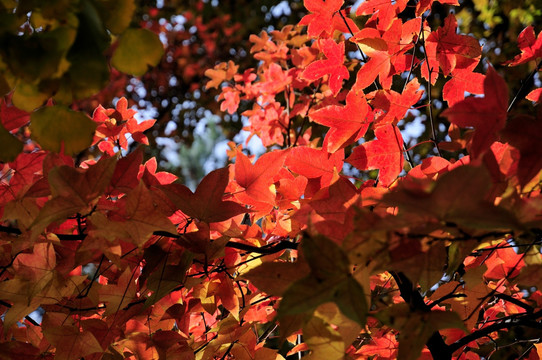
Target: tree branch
<point x="267" y="249"/>
<point x="526" y="321"/>
<point x="436" y="345"/>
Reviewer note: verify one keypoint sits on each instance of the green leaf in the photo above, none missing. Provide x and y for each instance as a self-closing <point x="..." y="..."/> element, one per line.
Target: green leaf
<point x="11" y="146"/>
<point x="351" y="300"/>
<point x="89" y="70"/>
<point x="39" y="56"/>
<point x="57" y="128"/>
<point x="116" y="14"/>
<point x="305" y="295"/>
<point x="28" y="96"/>
<point x="137" y="50"/>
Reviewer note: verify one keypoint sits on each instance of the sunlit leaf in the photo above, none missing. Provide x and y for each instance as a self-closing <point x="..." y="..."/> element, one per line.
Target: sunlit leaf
<point x="60" y="129"/>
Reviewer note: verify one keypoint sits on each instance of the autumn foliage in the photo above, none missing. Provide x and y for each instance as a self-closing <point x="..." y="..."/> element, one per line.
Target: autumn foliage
<point x="336" y="243"/>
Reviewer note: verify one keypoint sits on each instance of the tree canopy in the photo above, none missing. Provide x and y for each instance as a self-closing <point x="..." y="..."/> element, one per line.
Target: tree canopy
<point x="395" y="213"/>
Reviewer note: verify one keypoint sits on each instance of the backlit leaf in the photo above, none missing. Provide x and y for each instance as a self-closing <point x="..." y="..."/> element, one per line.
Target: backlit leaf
<point x="60" y="129"/>
<point x="385" y="153"/>
<point x="137" y="50"/>
<point x="207" y="203"/>
<point x="71" y="343"/>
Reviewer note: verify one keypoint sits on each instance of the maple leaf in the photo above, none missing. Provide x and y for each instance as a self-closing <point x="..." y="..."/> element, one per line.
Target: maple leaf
<point x="415" y="328"/>
<point x="531" y="47"/>
<point x="444" y="46"/>
<point x="71" y="343"/>
<point x="333" y="202"/>
<point x="385" y="153"/>
<point x="347" y="124"/>
<point x="231" y="100"/>
<point x="26" y="169"/>
<point x="487" y="115"/>
<point x="221" y="72"/>
<point x="459" y="196"/>
<point x="332" y="66"/>
<point x="383" y="12"/>
<point x="115" y="124"/>
<point x="330" y="280"/>
<point x="275" y="277"/>
<point x="207" y="203"/>
<point x="392" y="106"/>
<point x="137" y="217"/>
<point x="463" y="80"/>
<point x="125" y="175"/>
<point x="386" y="52"/>
<point x="117" y="296"/>
<point x="424" y="5"/>
<point x="74" y="190"/>
<point x="317" y="165"/>
<point x="320" y="19"/>
<point x="12" y="117"/>
<point x="275" y="79"/>
<point x="256" y="179"/>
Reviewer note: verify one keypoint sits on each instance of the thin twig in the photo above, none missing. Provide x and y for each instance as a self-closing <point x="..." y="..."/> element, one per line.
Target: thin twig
<point x="430" y="107"/>
<point x="523" y="83"/>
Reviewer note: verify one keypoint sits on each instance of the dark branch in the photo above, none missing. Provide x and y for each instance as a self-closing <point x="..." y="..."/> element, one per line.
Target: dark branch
<point x="436" y="345"/>
<point x="525" y="321"/>
<point x="267" y="250"/>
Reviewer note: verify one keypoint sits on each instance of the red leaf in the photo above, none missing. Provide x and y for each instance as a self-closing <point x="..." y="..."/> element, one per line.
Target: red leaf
<point x="316" y="165"/>
<point x="332" y="203"/>
<point x="535" y="95"/>
<point x="138" y="216"/>
<point x="332" y="66"/>
<point x="320" y="18"/>
<point x="386" y="51"/>
<point x="12" y="117"/>
<point x="487" y="115"/>
<point x="384" y="12"/>
<point x="207" y="203"/>
<point x="385" y="154"/>
<point x="347" y="124"/>
<point x="531" y="47"/>
<point x="444" y="47"/>
<point x="257" y="178"/>
<point x="424" y="5"/>
<point x="392" y="106"/>
<point x="125" y="176"/>
<point x="463" y="80"/>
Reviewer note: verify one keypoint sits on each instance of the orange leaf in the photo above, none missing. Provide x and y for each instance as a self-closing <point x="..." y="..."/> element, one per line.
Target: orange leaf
<point x="385" y="154"/>
<point x="70" y="343"/>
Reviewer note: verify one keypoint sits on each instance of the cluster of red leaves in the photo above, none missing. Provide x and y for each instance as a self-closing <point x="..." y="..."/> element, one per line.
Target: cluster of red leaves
<point x="121" y="261"/>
